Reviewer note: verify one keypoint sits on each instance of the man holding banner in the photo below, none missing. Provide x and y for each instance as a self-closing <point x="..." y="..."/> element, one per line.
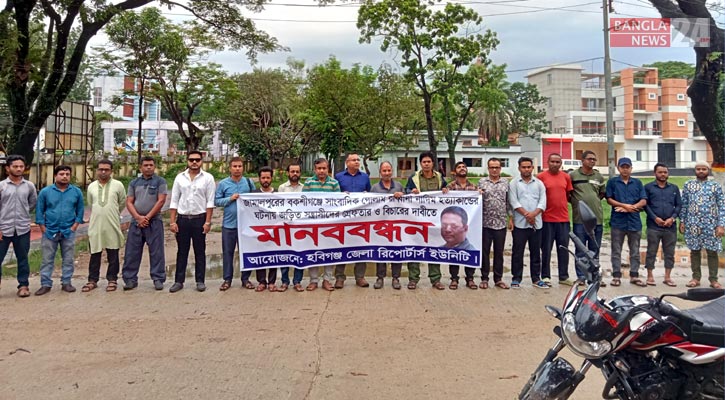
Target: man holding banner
<point x="352" y="180"/>
<point x="425" y="180"/>
<point x="388" y="185"/>
<point x="460" y="182"/>
<point x="293" y="185"/>
<point x="321" y="182"/>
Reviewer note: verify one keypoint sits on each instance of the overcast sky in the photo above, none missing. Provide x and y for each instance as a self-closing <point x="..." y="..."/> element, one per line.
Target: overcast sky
<point x="532" y="33"/>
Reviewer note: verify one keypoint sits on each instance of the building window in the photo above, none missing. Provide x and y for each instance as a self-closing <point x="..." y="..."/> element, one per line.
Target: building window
<point x="473" y="162"/>
<point x="638" y="155"/>
<point x="551" y="103"/>
<point x="680" y="96"/>
<point x="659" y="103"/>
<point x="693" y="155"/>
<point x="549" y="79"/>
<point x="614" y="104"/>
<point x="651" y="96"/>
<point x="97" y="96"/>
<point x="680" y="122"/>
<point x="504" y="162"/>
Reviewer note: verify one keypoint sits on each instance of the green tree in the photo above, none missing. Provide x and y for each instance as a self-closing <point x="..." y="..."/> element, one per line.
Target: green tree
<point x="673" y="69"/>
<point x="525" y="108"/>
<point x="474" y="88"/>
<point x="426" y="40"/>
<point x="40" y="59"/>
<point x="705" y="91"/>
<point x="266" y="113"/>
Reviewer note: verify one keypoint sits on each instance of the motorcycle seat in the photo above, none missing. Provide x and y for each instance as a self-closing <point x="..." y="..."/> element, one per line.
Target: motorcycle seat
<point x="712" y="330"/>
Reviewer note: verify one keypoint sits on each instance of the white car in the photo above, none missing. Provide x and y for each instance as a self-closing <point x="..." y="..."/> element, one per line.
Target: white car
<point x="570" y="165"/>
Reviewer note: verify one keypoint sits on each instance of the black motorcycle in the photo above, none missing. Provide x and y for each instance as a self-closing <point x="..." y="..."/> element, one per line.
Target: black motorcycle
<point x="645" y="347"/>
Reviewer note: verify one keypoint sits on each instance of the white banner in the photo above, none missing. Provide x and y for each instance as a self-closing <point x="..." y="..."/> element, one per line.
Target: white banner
<point x="313" y="228"/>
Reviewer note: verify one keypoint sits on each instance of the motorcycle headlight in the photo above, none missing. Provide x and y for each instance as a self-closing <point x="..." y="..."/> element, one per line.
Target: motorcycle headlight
<point x="581" y="347"/>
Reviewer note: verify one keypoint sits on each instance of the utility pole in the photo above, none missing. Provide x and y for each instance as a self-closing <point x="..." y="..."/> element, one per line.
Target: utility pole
<point x="606" y="5"/>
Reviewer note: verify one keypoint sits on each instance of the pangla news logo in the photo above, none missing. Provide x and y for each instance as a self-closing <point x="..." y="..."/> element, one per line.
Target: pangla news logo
<point x="659" y="32"/>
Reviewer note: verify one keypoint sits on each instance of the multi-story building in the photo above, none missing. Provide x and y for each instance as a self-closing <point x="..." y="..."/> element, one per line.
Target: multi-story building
<point x="105" y="93"/>
<point x="652" y="117"/>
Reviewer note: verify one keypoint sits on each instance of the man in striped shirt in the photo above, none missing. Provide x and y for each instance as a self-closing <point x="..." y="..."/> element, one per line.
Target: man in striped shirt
<point x="321" y="182"/>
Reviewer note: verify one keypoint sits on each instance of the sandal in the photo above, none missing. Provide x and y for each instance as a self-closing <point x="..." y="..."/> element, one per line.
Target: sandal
<point x="312" y="286"/>
<point x="438" y="285"/>
<point x="471" y="285"/>
<point x="23" y="291"/>
<point x="283" y="288"/>
<point x="501" y="285"/>
<point x="225" y="286"/>
<point x="638" y="282"/>
<point x="651" y="282"/>
<point x="272" y="287"/>
<point x="412" y="285"/>
<point x="715" y="285"/>
<point x="616" y="282"/>
<point x="483" y="285"/>
<point x="396" y="284"/>
<point x="261" y="287"/>
<point x="669" y="282"/>
<point x="248" y="285"/>
<point x="112" y="286"/>
<point x="453" y="285"/>
<point x="693" y="283"/>
<point x="89" y="286"/>
<point x="298" y="287"/>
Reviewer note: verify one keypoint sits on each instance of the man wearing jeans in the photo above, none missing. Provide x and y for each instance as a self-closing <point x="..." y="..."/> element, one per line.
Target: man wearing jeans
<point x="227" y="193"/>
<point x="627" y="197"/>
<point x="58" y="213"/>
<point x="17" y="198"/>
<point x="663" y="207"/>
<point x="192" y="203"/>
<point x="589" y="189"/>
<point x="527" y="196"/>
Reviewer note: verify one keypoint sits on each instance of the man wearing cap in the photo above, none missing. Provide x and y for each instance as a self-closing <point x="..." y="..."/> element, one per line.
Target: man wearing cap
<point x="702" y="220"/>
<point x="627" y="197"/>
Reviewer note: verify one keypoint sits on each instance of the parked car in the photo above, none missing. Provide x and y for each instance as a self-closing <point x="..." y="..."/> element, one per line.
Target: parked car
<point x="570" y="165"/>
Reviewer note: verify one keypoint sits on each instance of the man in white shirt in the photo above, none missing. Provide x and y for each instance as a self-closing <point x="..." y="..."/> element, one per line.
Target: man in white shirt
<point x="293" y="185"/>
<point x="192" y="203"/>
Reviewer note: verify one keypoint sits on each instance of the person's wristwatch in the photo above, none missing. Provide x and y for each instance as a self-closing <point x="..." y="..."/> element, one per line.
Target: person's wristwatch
<point x="207" y="223"/>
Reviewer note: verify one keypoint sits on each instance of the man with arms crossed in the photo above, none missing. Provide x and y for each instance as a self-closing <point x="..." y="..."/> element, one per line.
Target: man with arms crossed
<point x="146" y="196"/>
<point x="58" y="213"/>
<point x="494" y="192"/>
<point x="192" y="203"/>
<point x="663" y="207"/>
<point x="17" y="198"/>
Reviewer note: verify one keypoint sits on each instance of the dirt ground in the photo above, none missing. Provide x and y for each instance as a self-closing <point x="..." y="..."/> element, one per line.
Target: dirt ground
<point x="355" y="343"/>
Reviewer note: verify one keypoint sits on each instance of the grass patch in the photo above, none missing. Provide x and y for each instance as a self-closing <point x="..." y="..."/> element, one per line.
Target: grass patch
<point x="35" y="258"/>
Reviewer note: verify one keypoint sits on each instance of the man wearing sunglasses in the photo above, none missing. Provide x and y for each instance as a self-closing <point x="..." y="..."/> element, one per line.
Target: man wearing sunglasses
<point x="192" y="203"/>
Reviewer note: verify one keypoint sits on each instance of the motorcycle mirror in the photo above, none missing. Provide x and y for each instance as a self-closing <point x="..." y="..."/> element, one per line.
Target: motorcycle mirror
<point x="704" y="294"/>
<point x="589" y="219"/>
<point x="698" y="294"/>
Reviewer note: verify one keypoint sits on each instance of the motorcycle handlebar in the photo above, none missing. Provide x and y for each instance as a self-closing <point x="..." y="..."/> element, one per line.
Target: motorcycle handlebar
<point x="580" y="246"/>
<point x="668" y="309"/>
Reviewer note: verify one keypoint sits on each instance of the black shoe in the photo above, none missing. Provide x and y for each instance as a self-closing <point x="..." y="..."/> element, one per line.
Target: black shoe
<point x="43" y="290"/>
<point x="67" y="287"/>
<point x="130" y="285"/>
<point x="200" y="286"/>
<point x="158" y="285"/>
<point x="176" y="287"/>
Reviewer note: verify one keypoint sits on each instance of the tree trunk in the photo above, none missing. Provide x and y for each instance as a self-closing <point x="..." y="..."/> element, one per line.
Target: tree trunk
<point x="432" y="141"/>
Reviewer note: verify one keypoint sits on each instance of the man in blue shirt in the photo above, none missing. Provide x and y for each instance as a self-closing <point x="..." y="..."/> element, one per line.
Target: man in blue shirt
<point x="627" y="197"/>
<point x="663" y="207"/>
<point x="58" y="213"/>
<point x="227" y="193"/>
<point x="352" y="180"/>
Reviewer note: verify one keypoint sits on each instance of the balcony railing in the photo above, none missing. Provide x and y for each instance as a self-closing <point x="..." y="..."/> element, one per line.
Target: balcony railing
<point x="592" y="108"/>
<point x="647" y="132"/>
<point x="592" y="85"/>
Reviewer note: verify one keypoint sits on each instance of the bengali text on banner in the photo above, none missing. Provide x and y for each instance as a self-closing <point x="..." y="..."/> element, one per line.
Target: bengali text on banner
<point x="311" y="229"/>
